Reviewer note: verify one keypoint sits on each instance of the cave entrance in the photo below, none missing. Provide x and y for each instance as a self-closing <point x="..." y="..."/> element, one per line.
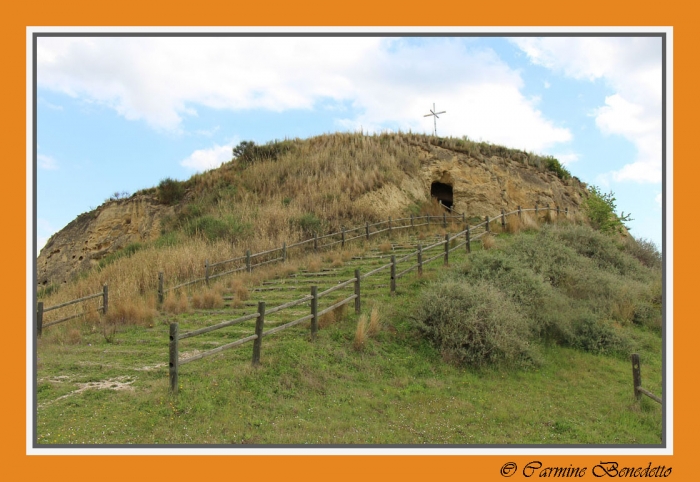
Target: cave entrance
<point x="443" y="193"/>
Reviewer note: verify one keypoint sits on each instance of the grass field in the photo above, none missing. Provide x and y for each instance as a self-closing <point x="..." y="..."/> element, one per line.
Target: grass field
<point x="100" y="387"/>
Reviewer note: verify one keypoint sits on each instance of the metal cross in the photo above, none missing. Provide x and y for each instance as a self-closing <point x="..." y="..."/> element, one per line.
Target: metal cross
<point x="435" y="117"/>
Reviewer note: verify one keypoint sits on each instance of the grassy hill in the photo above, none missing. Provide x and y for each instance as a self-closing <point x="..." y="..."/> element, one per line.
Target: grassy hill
<point x="526" y="340"/>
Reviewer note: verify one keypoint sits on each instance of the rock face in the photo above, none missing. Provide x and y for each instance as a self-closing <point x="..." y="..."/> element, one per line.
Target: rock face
<point x="484" y="187"/>
<point x="92" y="236"/>
<point x="477" y="187"/>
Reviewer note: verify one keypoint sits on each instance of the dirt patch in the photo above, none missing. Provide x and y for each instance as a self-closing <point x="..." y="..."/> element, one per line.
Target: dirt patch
<point x="118" y="383"/>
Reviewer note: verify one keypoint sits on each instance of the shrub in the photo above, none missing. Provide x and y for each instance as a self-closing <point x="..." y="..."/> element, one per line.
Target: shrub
<point x="645" y="251"/>
<point x="213" y="228"/>
<point x="552" y="164"/>
<point x="600" y="209"/>
<point x="488" y="241"/>
<point x="170" y="191"/>
<point x="309" y="224"/>
<point x="596" y="336"/>
<point x="474" y="325"/>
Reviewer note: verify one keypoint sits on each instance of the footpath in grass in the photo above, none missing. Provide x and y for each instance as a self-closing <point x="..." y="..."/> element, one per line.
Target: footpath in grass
<point x="112" y="388"/>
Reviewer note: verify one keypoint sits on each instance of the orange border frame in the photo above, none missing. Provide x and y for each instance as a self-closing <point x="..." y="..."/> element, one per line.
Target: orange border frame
<point x="315" y="13"/>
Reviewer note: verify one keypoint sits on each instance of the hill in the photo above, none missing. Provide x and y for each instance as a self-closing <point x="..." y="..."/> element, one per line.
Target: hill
<point x="284" y="191"/>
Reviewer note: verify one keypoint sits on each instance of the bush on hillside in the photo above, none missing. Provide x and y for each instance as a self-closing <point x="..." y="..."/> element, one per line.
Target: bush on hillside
<point x="170" y="191"/>
<point x="474" y="325"/>
<point x="600" y="209"/>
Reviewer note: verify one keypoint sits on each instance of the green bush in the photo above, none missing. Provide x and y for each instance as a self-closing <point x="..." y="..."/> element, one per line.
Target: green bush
<point x="591" y="334"/>
<point x="600" y="209"/>
<point x="308" y="223"/>
<point x="213" y="228"/>
<point x="552" y="164"/>
<point x="474" y="325"/>
<point x="170" y="191"/>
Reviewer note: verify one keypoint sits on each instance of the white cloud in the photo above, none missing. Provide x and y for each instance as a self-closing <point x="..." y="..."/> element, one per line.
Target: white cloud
<point x="567" y="158"/>
<point x="658" y="199"/>
<point x="204" y="159"/>
<point x="46" y="162"/>
<point x="630" y="66"/>
<point x="390" y="82"/>
<point x="547" y="85"/>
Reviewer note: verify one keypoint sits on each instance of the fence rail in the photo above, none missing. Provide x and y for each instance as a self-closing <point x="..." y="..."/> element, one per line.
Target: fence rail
<point x="40" y="310"/>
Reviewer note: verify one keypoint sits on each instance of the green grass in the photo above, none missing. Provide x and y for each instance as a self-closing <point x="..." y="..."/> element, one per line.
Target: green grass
<point x="398" y="390"/>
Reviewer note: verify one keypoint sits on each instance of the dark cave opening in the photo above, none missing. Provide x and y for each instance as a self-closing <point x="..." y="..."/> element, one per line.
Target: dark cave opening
<point x="443" y="193"/>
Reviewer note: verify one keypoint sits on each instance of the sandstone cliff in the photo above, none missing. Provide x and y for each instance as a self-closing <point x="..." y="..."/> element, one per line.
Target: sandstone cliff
<point x="92" y="236"/>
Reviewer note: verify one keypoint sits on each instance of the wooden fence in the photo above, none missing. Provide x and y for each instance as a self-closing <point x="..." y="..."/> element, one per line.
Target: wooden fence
<point x="469" y="235"/>
<point x="250" y="261"/>
<point x="40" y="310"/>
<point x="637" y="381"/>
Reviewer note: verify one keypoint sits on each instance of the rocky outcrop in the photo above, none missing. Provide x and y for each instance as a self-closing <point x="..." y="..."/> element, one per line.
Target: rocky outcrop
<point x="92" y="236"/>
<point x="479" y="186"/>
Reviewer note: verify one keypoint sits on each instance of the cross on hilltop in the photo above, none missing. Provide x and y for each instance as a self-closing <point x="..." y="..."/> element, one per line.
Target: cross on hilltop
<point x="435" y="117"/>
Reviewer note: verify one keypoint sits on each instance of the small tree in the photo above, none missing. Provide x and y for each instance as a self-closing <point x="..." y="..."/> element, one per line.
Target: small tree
<point x="600" y="209"/>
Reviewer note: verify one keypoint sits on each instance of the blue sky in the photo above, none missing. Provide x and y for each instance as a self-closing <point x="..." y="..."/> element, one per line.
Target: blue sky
<point x="118" y="114"/>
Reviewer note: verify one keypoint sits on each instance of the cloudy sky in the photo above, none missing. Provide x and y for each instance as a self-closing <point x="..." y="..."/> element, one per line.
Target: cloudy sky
<point x="118" y="114"/>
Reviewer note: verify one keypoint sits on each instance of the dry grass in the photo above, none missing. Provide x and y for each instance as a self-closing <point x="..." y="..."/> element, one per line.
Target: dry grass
<point x="176" y="303"/>
<point x="488" y="241"/>
<point x="360" y="334"/>
<point x="529" y="223"/>
<point x="240" y="292"/>
<point x="209" y="299"/>
<point x="133" y="312"/>
<point x="337" y="263"/>
<point x="73" y="337"/>
<point x="314" y="265"/>
<point x="334" y="316"/>
<point x="385" y="247"/>
<point x="375" y="322"/>
<point x="513" y="225"/>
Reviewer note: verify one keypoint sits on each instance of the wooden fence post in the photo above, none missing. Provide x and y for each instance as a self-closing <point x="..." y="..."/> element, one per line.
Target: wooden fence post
<point x="558" y="211"/>
<point x="444" y="220"/>
<point x="464" y="218"/>
<point x="357" y="291"/>
<point x="566" y="212"/>
<point x="537" y="211"/>
<point x="206" y="271"/>
<point x="39" y="318"/>
<point x="411" y="220"/>
<point x="259" y="324"/>
<point x="636" y="375"/>
<point x="428" y="216"/>
<point x="447" y="249"/>
<point x="503" y="219"/>
<point x="393" y="275"/>
<point x="342" y="243"/>
<point x="315" y="242"/>
<point x="367" y="229"/>
<point x="284" y="251"/>
<point x="314" y="311"/>
<point x="488" y="227"/>
<point x="174" y="357"/>
<point x="105" y="299"/>
<point x="469" y="240"/>
<point x="389" y="226"/>
<point x="248" y="266"/>
<point x="520" y="214"/>
<point x="420" y="260"/>
<point x="160" y="287"/>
